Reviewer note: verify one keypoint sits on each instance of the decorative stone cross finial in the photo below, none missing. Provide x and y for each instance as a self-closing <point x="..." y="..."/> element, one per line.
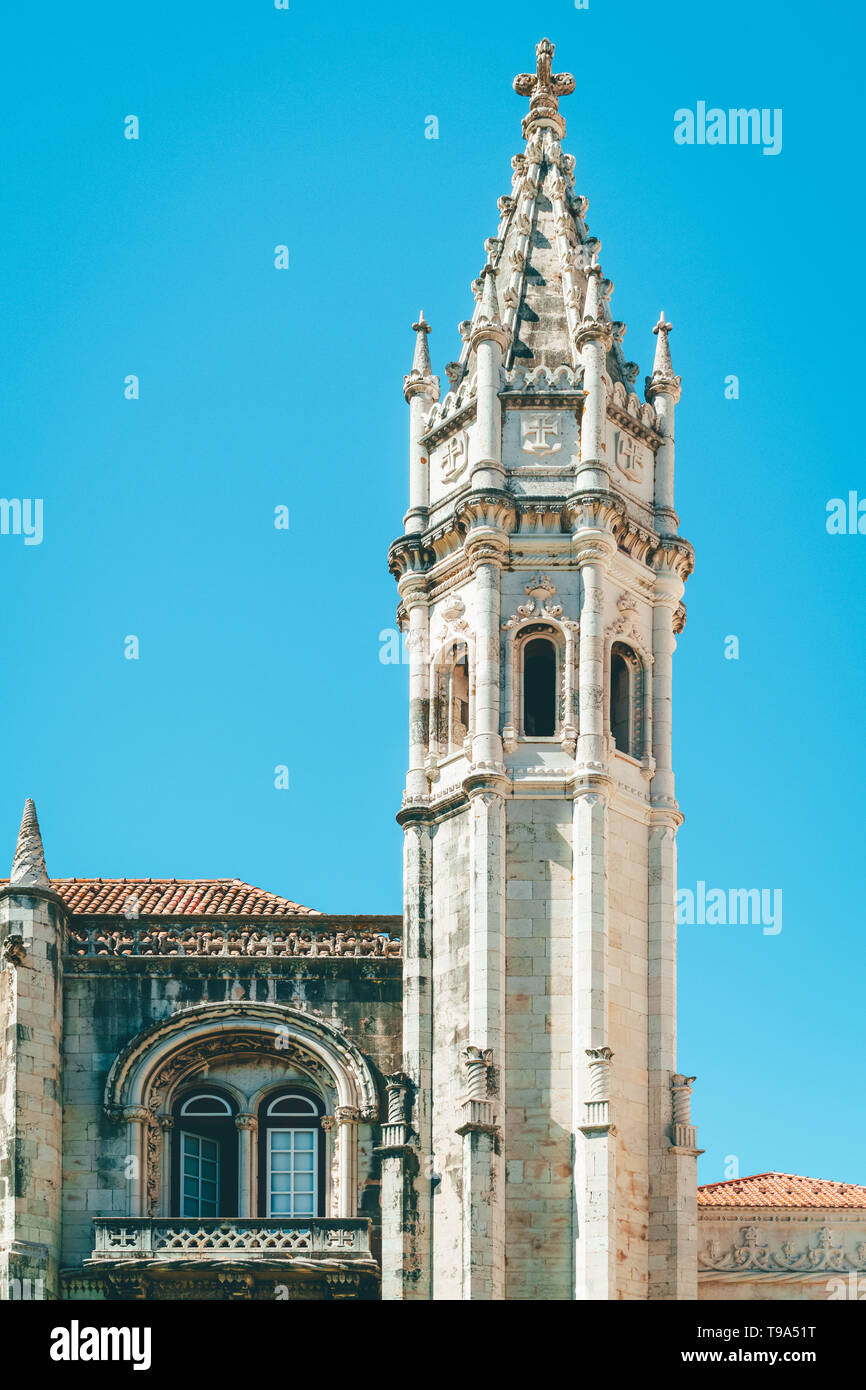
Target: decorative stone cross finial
<point x="544" y="88"/>
<point x="663" y="379"/>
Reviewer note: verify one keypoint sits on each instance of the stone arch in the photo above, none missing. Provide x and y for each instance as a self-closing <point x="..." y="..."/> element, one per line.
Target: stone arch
<point x="160" y="1059"/>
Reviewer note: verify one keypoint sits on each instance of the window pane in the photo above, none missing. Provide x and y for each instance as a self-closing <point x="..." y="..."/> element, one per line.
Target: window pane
<point x="281" y="1139"/>
<point x="304" y="1139"/>
<point x="281" y="1206"/>
<point x="303" y="1206"/>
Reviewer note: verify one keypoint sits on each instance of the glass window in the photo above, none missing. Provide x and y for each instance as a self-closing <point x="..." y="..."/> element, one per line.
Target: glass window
<point x="201" y="1175"/>
<point x="292" y="1172"/>
<point x="291" y="1155"/>
<point x="204" y="1156"/>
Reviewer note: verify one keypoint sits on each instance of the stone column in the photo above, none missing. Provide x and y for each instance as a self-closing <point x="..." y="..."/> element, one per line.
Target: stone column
<point x="483" y="1168"/>
<point x="597" y="1245"/>
<point x="593" y="339"/>
<point x="413" y="590"/>
<point x="411" y="1276"/>
<point x="329" y="1125"/>
<point x="486" y="558"/>
<point x="166" y="1125"/>
<point x="246" y="1126"/>
<point x="488" y="339"/>
<point x="348" y="1118"/>
<point x="594" y="1154"/>
<point x="399" y="1206"/>
<point x="421" y="390"/>
<point x="592" y="552"/>
<point x="672" y="1228"/>
<point x="483" y="1204"/>
<point x="137" y="1118"/>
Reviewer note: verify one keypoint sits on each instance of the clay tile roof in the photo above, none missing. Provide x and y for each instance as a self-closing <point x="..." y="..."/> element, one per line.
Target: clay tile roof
<point x="174" y="897"/>
<point x="781" y="1190"/>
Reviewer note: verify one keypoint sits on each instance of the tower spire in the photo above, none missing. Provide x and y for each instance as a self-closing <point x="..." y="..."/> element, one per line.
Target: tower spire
<point x="28" y="867"/>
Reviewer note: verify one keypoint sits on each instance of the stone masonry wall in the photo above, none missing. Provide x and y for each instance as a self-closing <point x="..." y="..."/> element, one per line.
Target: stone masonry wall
<point x="538" y="1220"/>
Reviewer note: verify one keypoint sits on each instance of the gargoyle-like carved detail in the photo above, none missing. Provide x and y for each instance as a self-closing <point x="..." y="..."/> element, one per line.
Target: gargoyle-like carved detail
<point x="13" y="952"/>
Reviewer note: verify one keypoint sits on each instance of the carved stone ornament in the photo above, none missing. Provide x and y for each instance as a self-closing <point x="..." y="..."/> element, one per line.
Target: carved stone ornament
<point x="12" y="952"/>
<point x="454" y="457"/>
<point x="753" y="1253"/>
<point x="540" y="433"/>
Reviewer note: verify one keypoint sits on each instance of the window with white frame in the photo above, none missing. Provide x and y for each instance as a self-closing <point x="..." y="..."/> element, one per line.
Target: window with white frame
<point x="292" y="1174"/>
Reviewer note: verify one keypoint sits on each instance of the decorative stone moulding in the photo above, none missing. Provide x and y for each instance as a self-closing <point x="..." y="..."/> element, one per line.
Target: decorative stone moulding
<point x="151" y="939"/>
<point x="754" y="1254"/>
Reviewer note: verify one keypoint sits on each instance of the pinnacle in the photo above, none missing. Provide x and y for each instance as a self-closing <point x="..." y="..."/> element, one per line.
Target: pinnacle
<point x="28" y="867"/>
<point x="662" y="365"/>
<point x="421" y="360"/>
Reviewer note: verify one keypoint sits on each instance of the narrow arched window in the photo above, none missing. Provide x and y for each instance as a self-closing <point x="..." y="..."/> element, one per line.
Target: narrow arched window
<point x="291" y="1155"/>
<point x="539" y="688"/>
<point x="450" y="725"/>
<point x="620" y="702"/>
<point x="458" y="701"/>
<point x="205" y="1156"/>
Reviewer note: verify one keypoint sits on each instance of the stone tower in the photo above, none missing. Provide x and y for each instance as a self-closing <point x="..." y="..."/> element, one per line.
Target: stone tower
<point x="540" y="1144"/>
<point x="32" y="919"/>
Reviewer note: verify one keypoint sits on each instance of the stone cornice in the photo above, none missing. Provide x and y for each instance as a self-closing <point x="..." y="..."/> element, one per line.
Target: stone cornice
<point x="441" y="550"/>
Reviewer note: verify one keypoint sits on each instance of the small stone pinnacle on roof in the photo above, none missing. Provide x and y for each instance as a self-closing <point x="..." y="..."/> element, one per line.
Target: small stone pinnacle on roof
<point x="28" y="867"/>
<point x="421" y="359"/>
<point x="662" y="366"/>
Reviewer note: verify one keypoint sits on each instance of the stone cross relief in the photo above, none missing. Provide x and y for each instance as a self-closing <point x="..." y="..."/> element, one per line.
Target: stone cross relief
<point x="539" y="434"/>
<point x="453" y="457"/>
<point x="628" y="453"/>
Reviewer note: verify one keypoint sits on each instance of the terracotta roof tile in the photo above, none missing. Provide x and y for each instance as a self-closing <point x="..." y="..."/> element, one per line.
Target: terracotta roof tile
<point x="781" y="1190"/>
<point x="174" y="897"/>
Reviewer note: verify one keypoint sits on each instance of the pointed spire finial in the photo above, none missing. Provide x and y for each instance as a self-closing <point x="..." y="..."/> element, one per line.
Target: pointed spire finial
<point x="663" y="378"/>
<point x="421" y="377"/>
<point x="487" y="322"/>
<point x="421" y="360"/>
<point x="544" y="88"/>
<point x="28" y="867"/>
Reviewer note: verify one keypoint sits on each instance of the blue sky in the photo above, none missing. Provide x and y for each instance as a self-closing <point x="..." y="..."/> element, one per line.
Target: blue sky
<point x="261" y="388"/>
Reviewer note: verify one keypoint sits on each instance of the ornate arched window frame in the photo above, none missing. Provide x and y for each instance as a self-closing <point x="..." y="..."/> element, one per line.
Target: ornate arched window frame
<point x="540" y="620"/>
<point x="165" y="1057"/>
<point x="449" y="652"/>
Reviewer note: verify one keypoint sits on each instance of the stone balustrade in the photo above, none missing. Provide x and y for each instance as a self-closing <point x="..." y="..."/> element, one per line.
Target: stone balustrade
<point x="231" y="1238"/>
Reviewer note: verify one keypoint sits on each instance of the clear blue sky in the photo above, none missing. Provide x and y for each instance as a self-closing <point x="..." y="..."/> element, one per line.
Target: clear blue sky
<point x="260" y="388"/>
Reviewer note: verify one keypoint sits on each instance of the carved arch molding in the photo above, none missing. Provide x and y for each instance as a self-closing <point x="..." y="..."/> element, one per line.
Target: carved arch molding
<point x="158" y="1060"/>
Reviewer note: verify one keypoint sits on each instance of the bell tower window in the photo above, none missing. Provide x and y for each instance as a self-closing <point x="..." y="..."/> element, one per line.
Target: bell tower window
<point x="539" y="688"/>
<point x="451" y="705"/>
<point x="622" y="697"/>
